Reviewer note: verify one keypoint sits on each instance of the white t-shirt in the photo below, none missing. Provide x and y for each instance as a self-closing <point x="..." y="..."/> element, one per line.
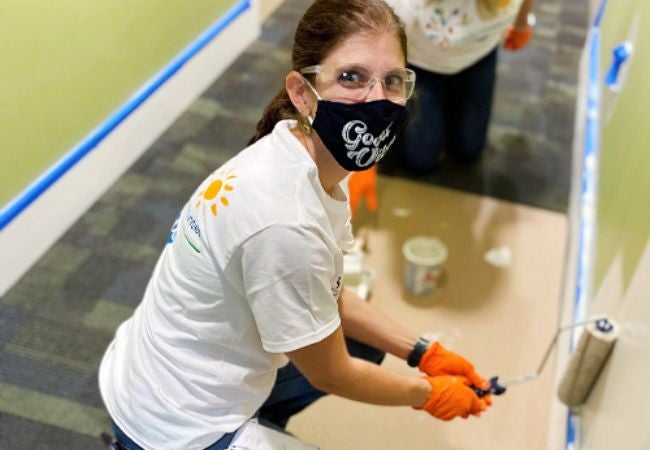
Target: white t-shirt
<point x="252" y="270"/>
<point x="447" y="36"/>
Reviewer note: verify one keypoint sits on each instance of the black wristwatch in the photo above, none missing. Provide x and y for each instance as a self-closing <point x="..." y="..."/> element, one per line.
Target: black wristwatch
<point x="419" y="349"/>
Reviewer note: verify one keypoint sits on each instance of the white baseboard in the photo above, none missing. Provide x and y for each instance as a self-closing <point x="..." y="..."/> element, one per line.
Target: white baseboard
<point x="28" y="236"/>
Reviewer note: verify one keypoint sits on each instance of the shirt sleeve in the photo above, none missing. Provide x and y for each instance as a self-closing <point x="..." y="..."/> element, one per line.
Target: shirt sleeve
<point x="405" y="10"/>
<point x="291" y="282"/>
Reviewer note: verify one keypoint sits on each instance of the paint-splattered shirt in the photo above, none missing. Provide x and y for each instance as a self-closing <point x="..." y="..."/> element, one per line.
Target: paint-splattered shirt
<point x="447" y="36"/>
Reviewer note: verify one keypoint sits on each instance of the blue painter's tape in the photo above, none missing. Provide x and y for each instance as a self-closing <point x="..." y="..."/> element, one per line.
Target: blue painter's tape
<point x="37" y="188"/>
<point x="589" y="180"/>
<point x="571" y="432"/>
<point x="587" y="203"/>
<point x="598" y="17"/>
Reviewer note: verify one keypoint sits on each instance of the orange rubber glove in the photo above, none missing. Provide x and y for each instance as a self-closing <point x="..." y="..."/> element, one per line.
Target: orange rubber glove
<point x="437" y="360"/>
<point x="363" y="184"/>
<point x="451" y="397"/>
<point x="516" y="38"/>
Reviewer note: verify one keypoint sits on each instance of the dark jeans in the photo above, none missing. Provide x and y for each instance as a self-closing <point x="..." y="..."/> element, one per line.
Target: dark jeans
<point x="125" y="443"/>
<point x="449" y="112"/>
<point x="291" y="394"/>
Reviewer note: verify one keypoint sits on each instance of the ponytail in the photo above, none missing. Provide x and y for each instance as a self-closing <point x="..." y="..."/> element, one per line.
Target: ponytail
<point x="278" y="109"/>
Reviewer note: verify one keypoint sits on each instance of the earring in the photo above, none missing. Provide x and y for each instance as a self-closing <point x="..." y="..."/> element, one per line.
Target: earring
<point x="305" y="126"/>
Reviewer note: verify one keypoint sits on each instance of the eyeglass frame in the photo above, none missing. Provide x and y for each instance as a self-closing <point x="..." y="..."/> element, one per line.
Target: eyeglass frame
<point x="411" y="76"/>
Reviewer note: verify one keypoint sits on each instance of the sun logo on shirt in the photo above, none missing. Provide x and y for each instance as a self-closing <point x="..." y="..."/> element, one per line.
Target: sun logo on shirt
<point x="216" y="191"/>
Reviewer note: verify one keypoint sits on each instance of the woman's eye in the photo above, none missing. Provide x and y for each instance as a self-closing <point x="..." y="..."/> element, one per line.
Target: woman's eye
<point x="394" y="81"/>
<point x="351" y="78"/>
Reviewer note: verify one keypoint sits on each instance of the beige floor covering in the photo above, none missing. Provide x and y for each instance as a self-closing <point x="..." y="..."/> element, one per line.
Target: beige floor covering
<point x="502" y="319"/>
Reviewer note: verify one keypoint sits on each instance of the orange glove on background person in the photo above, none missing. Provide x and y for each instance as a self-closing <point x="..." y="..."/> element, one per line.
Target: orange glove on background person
<point x="363" y="184"/>
<point x="517" y="38"/>
<point x="450" y="398"/>
<point x="439" y="361"/>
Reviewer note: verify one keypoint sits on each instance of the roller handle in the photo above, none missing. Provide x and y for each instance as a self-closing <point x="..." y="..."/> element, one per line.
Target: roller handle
<point x="494" y="389"/>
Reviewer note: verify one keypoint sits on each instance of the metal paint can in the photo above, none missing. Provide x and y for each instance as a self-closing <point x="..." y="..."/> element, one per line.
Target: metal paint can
<point x="424" y="257"/>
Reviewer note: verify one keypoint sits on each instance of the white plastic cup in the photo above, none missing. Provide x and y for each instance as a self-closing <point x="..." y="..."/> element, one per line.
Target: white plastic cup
<point x="424" y="256"/>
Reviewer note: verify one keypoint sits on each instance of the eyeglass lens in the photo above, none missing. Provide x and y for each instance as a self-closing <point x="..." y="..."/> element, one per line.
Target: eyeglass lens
<point x="358" y="81"/>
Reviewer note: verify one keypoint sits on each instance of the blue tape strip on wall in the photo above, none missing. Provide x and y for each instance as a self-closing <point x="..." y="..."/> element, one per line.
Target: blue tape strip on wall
<point x="588" y="195"/>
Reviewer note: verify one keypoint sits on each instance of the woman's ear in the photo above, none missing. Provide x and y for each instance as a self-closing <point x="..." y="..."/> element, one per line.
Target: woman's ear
<point x="299" y="94"/>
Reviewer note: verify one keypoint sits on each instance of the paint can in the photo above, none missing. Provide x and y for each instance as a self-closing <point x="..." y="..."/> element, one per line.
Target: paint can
<point x="424" y="257"/>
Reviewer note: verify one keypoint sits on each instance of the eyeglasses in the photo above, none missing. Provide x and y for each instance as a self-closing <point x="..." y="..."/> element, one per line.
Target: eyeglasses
<point x="357" y="81"/>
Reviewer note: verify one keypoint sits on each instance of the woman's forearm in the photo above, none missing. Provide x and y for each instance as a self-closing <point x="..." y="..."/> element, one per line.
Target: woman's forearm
<point x="366" y="382"/>
<point x="366" y="324"/>
<point x="521" y="21"/>
<point x="328" y="367"/>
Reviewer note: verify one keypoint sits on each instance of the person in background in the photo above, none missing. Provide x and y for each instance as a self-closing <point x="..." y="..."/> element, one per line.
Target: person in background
<point x="245" y="315"/>
<point x="452" y="47"/>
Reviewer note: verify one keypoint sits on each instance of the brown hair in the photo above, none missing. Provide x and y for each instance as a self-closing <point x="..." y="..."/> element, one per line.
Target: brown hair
<point x="326" y="24"/>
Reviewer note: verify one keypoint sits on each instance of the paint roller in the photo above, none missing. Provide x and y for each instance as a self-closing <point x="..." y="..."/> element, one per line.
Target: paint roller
<point x="594" y="346"/>
<point x="587" y="361"/>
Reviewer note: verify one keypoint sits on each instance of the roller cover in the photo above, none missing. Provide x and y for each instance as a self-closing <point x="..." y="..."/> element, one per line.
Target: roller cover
<point x="585" y="364"/>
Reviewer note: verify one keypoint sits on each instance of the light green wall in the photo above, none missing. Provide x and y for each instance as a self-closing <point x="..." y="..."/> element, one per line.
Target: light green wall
<point x="612" y="416"/>
<point x="624" y="188"/>
<point x="67" y="65"/>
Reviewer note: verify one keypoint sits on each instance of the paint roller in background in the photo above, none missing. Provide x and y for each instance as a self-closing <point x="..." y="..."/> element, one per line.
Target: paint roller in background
<point x="594" y="346"/>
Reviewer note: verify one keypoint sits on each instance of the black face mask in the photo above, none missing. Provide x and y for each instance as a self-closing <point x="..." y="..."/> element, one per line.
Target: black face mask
<point x="358" y="135"/>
